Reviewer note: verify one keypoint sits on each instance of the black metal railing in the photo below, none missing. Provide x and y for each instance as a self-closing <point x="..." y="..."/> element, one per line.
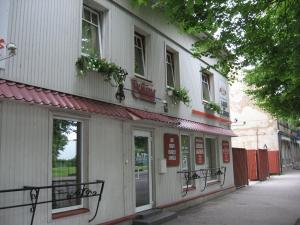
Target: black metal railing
<point x="82" y="190"/>
<point x="203" y="175"/>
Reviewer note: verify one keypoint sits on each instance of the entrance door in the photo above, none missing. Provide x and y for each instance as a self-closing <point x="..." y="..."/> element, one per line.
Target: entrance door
<point x="142" y="168"/>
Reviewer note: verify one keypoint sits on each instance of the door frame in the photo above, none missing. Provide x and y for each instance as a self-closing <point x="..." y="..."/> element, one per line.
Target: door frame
<point x="148" y="134"/>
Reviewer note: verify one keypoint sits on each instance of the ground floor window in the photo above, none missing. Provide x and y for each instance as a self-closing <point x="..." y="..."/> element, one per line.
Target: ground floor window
<point x="66" y="163"/>
<point x="185" y="148"/>
<point x="212" y="156"/>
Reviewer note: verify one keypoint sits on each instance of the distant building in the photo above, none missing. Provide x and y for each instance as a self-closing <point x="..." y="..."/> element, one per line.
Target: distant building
<point x="257" y="129"/>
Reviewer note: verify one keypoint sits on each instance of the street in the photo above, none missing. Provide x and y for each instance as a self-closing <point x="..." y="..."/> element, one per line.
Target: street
<point x="272" y="202"/>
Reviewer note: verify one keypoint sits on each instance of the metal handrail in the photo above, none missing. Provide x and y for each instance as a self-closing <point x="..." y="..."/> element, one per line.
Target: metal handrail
<point x="203" y="174"/>
<point x="34" y="192"/>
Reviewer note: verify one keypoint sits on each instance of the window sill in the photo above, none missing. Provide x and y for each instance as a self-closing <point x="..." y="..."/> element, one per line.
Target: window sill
<point x="69" y="213"/>
<point x="212" y="182"/>
<point x="142" y="78"/>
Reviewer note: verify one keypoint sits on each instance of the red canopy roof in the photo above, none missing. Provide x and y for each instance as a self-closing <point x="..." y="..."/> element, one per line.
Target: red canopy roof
<point x="41" y="96"/>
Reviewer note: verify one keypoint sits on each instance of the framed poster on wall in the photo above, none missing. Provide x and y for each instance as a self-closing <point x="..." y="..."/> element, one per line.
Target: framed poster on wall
<point x="171" y="149"/>
<point x="225" y="151"/>
<point x="199" y="151"/>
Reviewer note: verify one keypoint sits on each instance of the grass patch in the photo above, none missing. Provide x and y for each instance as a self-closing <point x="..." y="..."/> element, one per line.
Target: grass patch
<point x="63" y="171"/>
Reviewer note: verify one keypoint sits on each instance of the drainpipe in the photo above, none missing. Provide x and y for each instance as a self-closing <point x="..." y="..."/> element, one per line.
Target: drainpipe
<point x="279" y="146"/>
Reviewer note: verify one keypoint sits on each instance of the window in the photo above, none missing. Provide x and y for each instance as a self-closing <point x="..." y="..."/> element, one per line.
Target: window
<point x="139" y="54"/>
<point x="170" y="69"/>
<point x="206" y="88"/>
<point x="186" y="154"/>
<point x="90" y="41"/>
<point x="66" y="163"/>
<point x="212" y="156"/>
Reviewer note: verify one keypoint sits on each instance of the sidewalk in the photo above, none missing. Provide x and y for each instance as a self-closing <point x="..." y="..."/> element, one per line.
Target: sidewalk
<point x="272" y="202"/>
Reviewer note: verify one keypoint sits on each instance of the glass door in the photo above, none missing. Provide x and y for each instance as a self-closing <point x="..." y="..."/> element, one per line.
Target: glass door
<point x="142" y="170"/>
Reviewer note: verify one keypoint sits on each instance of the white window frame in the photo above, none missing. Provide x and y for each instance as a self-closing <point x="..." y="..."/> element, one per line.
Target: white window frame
<point x="65" y="209"/>
<point x="142" y="39"/>
<point x="218" y="156"/>
<point x="172" y="64"/>
<point x="191" y="158"/>
<point x="99" y="26"/>
<point x="207" y="83"/>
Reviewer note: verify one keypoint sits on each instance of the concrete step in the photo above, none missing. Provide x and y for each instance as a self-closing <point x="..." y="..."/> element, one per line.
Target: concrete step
<point x="148" y="213"/>
<point x="156" y="219"/>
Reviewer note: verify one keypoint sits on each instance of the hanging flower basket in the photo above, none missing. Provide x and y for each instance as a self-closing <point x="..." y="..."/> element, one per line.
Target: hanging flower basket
<point x="180" y="95"/>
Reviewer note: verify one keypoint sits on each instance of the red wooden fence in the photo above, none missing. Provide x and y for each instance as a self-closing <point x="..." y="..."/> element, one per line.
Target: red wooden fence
<point x="240" y="167"/>
<point x="274" y="162"/>
<point x="252" y="165"/>
<point x="262" y="164"/>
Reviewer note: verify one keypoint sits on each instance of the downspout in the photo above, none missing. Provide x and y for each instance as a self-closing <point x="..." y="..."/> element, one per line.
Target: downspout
<point x="279" y="146"/>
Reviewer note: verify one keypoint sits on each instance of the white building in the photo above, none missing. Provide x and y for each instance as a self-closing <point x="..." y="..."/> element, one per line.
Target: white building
<point x="58" y="128"/>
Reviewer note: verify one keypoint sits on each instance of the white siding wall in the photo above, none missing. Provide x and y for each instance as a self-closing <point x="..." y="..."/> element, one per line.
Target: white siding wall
<point x="48" y="36"/>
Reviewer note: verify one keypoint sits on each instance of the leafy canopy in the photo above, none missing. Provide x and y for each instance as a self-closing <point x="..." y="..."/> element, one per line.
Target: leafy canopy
<point x="262" y="34"/>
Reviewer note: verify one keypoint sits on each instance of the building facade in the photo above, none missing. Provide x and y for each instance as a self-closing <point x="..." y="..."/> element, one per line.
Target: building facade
<point x="256" y="129"/>
<point x="59" y="131"/>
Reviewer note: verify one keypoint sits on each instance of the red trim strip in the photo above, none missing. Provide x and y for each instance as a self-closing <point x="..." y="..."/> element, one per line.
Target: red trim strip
<point x="69" y="213"/>
<point x="119" y="220"/>
<point x="193" y="198"/>
<point x="210" y="116"/>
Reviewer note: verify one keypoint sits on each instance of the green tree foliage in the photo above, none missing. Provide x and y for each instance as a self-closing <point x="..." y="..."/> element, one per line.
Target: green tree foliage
<point x="263" y="34"/>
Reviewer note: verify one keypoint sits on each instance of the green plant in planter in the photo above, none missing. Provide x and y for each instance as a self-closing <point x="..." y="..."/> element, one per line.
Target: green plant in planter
<point x="210" y="105"/>
<point x="181" y="95"/>
<point x="110" y="70"/>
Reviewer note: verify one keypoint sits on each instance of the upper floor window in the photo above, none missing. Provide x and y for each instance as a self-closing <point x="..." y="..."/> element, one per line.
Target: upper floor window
<point x="170" y="69"/>
<point x="206" y="87"/>
<point x="139" y="54"/>
<point x="91" y="38"/>
<point x="66" y="163"/>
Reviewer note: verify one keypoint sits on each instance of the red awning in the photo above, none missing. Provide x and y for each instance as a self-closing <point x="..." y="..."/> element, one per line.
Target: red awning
<point x="145" y="115"/>
<point x="200" y="127"/>
<point x="41" y="96"/>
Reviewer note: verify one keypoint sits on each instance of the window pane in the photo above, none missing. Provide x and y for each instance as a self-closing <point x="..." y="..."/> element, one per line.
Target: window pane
<point x="170" y="75"/>
<point x="139" y="62"/>
<point x="206" y="94"/>
<point x="95" y="18"/>
<point x="86" y="15"/>
<point x="211" y="156"/>
<point x="90" y="39"/>
<point x="66" y="162"/>
<point x="185" y="152"/>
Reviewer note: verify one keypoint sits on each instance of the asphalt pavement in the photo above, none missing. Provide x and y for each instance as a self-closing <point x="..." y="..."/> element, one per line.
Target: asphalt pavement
<point x="272" y="202"/>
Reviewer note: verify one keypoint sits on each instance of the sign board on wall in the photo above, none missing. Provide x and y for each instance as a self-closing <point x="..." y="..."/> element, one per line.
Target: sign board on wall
<point x="225" y="151"/>
<point x="171" y="149"/>
<point x="199" y="150"/>
<point x="223" y="93"/>
<point x="4" y="12"/>
<point x="143" y="90"/>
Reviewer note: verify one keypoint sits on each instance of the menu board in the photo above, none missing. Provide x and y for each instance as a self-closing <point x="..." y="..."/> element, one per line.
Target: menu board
<point x="225" y="151"/>
<point x="171" y="149"/>
<point x="199" y="151"/>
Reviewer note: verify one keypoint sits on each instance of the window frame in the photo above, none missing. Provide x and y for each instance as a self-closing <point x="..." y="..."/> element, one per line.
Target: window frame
<point x="82" y="127"/>
<point x="217" y="153"/>
<point x="206" y="82"/>
<point x="172" y="64"/>
<point x="143" y="48"/>
<point x="99" y="28"/>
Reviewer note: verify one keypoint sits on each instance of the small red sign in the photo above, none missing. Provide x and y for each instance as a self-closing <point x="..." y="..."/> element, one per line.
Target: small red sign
<point x="171" y="147"/>
<point x="142" y="90"/>
<point x="225" y="151"/>
<point x="199" y="151"/>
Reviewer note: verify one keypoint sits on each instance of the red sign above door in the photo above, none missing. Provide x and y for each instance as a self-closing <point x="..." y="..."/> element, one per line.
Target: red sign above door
<point x="199" y="150"/>
<point x="143" y="90"/>
<point x="225" y="151"/>
<point x="171" y="149"/>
